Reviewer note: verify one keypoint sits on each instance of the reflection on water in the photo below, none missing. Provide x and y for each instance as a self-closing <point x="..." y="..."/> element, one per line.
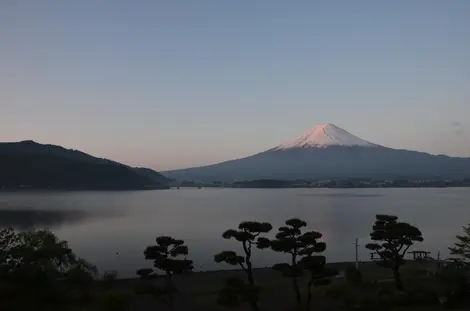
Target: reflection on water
<point x="24" y="211"/>
<point x="28" y="219"/>
<point x="344" y="195"/>
<point x="111" y="229"/>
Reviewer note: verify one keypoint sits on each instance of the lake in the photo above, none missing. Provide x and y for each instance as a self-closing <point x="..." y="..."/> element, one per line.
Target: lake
<point x="112" y="229"/>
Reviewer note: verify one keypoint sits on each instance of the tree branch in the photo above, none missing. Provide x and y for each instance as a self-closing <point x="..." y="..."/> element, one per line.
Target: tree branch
<point x="245" y="248"/>
<point x="404" y="252"/>
<point x="399" y="249"/>
<point x="380" y="255"/>
<point x="172" y="249"/>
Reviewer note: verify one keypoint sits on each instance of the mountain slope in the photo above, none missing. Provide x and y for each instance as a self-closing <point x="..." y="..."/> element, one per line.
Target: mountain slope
<point x="333" y="153"/>
<point x="153" y="175"/>
<point x="33" y="165"/>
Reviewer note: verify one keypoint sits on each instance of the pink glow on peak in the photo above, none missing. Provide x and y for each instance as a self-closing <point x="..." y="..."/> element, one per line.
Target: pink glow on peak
<point x="325" y="135"/>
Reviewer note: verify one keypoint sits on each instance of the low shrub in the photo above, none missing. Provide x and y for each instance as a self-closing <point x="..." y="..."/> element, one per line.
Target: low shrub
<point x="452" y="284"/>
<point x="109" y="279"/>
<point x="353" y="275"/>
<point x="115" y="301"/>
<point x="422" y="296"/>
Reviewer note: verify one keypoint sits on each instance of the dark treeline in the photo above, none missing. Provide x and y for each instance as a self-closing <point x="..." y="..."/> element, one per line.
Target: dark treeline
<point x="333" y="183"/>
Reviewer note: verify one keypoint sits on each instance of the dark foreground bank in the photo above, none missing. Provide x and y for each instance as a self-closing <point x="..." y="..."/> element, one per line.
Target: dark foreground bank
<point x="198" y="290"/>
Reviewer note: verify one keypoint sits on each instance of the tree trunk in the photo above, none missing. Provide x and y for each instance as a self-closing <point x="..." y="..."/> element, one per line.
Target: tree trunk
<point x="251" y="279"/>
<point x="254" y="305"/>
<point x="397" y="277"/>
<point x="170" y="288"/>
<point x="309" y="293"/>
<point x="298" y="297"/>
<point x="249" y="272"/>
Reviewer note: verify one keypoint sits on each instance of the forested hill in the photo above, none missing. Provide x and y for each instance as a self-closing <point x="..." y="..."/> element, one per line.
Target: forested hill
<point x="28" y="164"/>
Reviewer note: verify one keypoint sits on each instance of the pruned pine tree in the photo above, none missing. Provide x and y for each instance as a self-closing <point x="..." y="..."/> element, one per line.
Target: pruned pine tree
<point x="237" y="291"/>
<point x="318" y="274"/>
<point x="393" y="239"/>
<point x="302" y="248"/>
<point x="169" y="258"/>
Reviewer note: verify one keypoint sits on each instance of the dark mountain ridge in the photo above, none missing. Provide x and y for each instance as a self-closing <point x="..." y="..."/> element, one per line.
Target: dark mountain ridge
<point x="334" y="162"/>
<point x="28" y="164"/>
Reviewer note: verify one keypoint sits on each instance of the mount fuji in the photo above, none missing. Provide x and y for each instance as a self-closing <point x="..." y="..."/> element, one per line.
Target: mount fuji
<point x="328" y="152"/>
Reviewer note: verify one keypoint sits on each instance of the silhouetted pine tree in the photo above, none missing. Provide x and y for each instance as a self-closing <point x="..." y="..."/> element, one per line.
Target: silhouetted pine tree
<point x="393" y="241"/>
<point x="461" y="248"/>
<point x="237" y="291"/>
<point x="166" y="258"/>
<point x="301" y="247"/>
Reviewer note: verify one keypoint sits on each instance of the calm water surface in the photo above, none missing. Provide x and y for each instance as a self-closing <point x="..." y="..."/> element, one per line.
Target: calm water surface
<point x="111" y="229"/>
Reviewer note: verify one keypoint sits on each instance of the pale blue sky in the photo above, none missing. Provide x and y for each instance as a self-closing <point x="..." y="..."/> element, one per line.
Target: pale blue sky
<point x="169" y="84"/>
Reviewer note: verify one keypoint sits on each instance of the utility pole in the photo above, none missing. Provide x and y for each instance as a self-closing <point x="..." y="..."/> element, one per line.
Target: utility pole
<point x="356" y="245"/>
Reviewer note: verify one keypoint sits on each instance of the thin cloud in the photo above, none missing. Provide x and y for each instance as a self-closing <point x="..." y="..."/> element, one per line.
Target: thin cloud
<point x="457" y="129"/>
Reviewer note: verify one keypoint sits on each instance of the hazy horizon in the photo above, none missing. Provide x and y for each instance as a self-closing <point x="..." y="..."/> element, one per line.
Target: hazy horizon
<point x="171" y="85"/>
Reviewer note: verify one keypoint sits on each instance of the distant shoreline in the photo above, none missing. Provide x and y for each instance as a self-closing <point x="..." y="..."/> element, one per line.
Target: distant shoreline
<point x="45" y="190"/>
<point x="351" y="183"/>
<point x="80" y="189"/>
<point x="338" y="187"/>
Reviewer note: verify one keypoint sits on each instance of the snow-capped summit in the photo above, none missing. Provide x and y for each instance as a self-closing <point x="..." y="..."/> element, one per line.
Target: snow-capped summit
<point x="325" y="135"/>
